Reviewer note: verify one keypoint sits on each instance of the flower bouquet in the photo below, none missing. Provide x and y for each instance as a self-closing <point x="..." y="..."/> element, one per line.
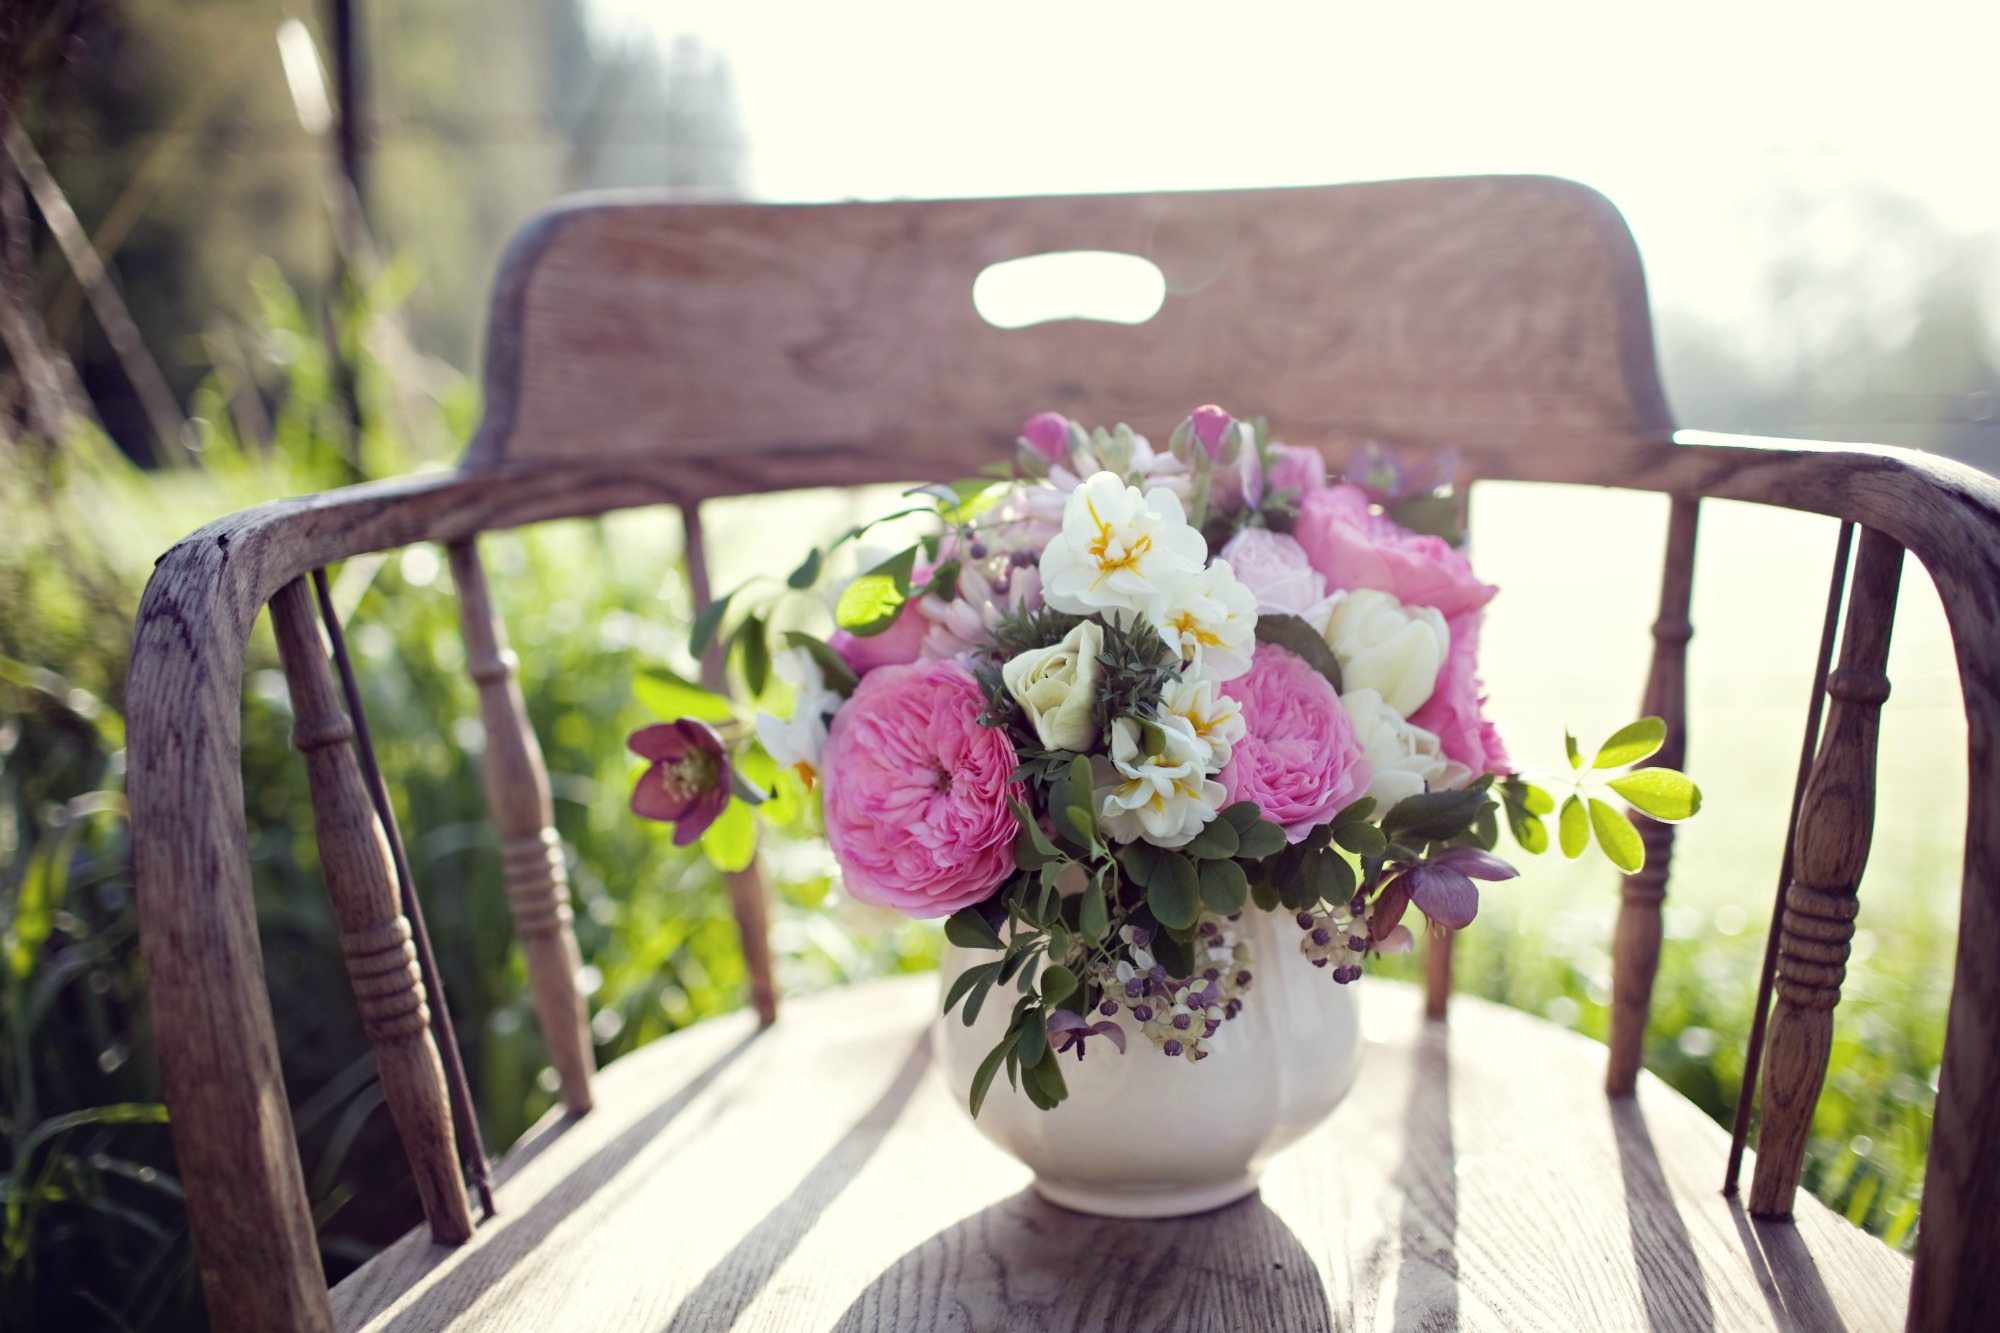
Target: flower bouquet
<point x="1147" y="727"/>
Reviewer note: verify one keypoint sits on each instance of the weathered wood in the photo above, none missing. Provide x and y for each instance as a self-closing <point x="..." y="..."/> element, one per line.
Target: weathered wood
<point x="1437" y="312"/>
<point x="374" y="934"/>
<point x="1836" y="824"/>
<point x="531" y="859"/>
<point x="1437" y="972"/>
<point x="747" y="897"/>
<point x="1420" y="1204"/>
<point x="1635" y="949"/>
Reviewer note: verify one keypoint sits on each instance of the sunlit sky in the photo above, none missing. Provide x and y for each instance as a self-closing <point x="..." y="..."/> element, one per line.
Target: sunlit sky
<point x="1689" y="115"/>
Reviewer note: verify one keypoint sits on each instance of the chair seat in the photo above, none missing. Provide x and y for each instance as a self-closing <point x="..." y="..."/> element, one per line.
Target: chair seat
<point x="819" y="1175"/>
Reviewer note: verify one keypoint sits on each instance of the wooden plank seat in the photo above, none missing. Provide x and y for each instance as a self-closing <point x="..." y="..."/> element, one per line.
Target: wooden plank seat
<point x="650" y="353"/>
<point x="818" y="1175"/>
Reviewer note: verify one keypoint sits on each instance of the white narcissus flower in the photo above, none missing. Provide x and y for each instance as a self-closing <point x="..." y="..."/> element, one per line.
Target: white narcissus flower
<point x="1119" y="552"/>
<point x="1385" y="646"/>
<point x="1156" y="786"/>
<point x="1214" y="717"/>
<point x="1057" y="687"/>
<point x="796" y="741"/>
<point x="1210" y="619"/>
<point x="1403" y="759"/>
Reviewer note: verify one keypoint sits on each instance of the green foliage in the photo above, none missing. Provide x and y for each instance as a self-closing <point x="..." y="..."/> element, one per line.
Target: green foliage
<point x="1303" y="641"/>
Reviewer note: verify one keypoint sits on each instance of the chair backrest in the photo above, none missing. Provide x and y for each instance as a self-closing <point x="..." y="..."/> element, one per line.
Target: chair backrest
<point x="645" y="352"/>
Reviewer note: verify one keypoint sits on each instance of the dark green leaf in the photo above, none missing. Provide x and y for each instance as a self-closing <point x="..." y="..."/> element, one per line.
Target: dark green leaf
<point x="1223" y="887"/>
<point x="1260" y="840"/>
<point x="1329" y="877"/>
<point x="702" y="633"/>
<point x="1241" y="815"/>
<point x="983" y="1078"/>
<point x="977" y="995"/>
<point x="1533" y="835"/>
<point x="1660" y="792"/>
<point x="1034" y="1032"/>
<point x="1216" y="841"/>
<point x="1174" y="893"/>
<point x="832" y="667"/>
<point x="969" y="930"/>
<point x="808" y="571"/>
<point x="1058" y="983"/>
<point x="1355" y="812"/>
<point x="965" y="981"/>
<point x="1435" y="815"/>
<point x="756" y="654"/>
<point x="1361" y="839"/>
<point x="1296" y="636"/>
<point x="1265" y="895"/>
<point x="1093" y="917"/>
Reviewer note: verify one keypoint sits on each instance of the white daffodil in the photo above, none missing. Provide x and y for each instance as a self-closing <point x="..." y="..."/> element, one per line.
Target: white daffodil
<point x="1119" y="552"/>
<point x="1210" y="619"/>
<point x="1158" y="786"/>
<point x="1403" y="759"/>
<point x="1385" y="646"/>
<point x="796" y="741"/>
<point x="1214" y="717"/>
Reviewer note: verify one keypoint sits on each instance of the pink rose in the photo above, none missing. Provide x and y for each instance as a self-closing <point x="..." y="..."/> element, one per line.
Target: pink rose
<point x="1298" y="759"/>
<point x="917" y="791"/>
<point x="1358" y="548"/>
<point x="1296" y="469"/>
<point x="1456" y="710"/>
<point x="1048" y="434"/>
<point x="1275" y="567"/>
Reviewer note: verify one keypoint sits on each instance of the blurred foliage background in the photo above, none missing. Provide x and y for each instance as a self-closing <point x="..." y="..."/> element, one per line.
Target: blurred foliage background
<point x="291" y="350"/>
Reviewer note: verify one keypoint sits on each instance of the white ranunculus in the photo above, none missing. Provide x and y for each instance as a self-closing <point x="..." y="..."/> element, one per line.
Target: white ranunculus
<point x="1057" y="687"/>
<point x="1156" y="786"/>
<point x="1215" y="718"/>
<point x="1210" y="619"/>
<point x="1385" y="646"/>
<point x="1403" y="759"/>
<point x="796" y="741"/>
<point x="1274" y="566"/>
<point x="1119" y="552"/>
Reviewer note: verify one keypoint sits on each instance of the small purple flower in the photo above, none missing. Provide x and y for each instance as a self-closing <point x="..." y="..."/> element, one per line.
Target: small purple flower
<point x="1442" y="887"/>
<point x="1067" y="1029"/>
<point x="688" y="778"/>
<point x="1389" y="475"/>
<point x="1171" y="1047"/>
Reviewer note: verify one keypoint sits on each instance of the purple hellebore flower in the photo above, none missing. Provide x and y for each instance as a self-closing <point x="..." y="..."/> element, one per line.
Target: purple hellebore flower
<point x="688" y="778"/>
<point x="1067" y="1029"/>
<point x="1442" y="887"/>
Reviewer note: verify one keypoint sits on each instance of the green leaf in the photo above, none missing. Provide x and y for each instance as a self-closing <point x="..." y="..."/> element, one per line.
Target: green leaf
<point x="1573" y="828"/>
<point x="1058" y="984"/>
<point x="1224" y="887"/>
<point x="1355" y="812"/>
<point x="702" y="632"/>
<point x="1617" y="837"/>
<point x="1632" y="743"/>
<point x="1296" y="636"/>
<point x="1361" y="839"/>
<point x="969" y="930"/>
<point x="1033" y="829"/>
<point x="1660" y="792"/>
<point x="1093" y="918"/>
<point x="1329" y="877"/>
<point x="976" y="997"/>
<point x="965" y="981"/>
<point x="1241" y="815"/>
<point x="755" y="647"/>
<point x="983" y="1078"/>
<point x="832" y="667"/>
<point x="1262" y="839"/>
<point x="808" y="571"/>
<point x="1174" y="894"/>
<point x="1043" y="1081"/>
<point x="871" y="603"/>
<point x="667" y="696"/>
<point x="1034" y="1032"/>
<point x="1436" y="815"/>
<point x="1265" y="895"/>
<point x="730" y="843"/>
<point x="1533" y="835"/>
<point x="1216" y="841"/>
<point x="1569" y="747"/>
<point x="1536" y="801"/>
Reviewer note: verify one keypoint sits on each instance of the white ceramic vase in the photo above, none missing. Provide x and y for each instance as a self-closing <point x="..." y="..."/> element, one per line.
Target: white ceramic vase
<point x="1145" y="1135"/>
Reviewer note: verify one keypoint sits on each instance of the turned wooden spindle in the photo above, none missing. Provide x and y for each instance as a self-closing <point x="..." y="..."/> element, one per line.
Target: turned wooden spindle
<point x="1635" y="949"/>
<point x="1437" y="972"/>
<point x="531" y="859"/>
<point x="374" y="935"/>
<point x="1836" y="821"/>
<point x="747" y="898"/>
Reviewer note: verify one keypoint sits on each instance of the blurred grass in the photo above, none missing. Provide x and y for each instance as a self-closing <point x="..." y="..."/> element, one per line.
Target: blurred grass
<point x="590" y="605"/>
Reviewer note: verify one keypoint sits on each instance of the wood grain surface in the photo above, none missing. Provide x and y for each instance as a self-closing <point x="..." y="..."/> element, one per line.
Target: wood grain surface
<point x="818" y="1175"/>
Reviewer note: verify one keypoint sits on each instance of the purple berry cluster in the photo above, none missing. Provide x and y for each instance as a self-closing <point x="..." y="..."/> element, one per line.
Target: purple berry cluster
<point x="1178" y="1015"/>
<point x="1336" y="940"/>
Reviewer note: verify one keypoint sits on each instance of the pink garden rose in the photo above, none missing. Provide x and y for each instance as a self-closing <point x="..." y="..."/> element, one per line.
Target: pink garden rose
<point x="1275" y="568"/>
<point x="1358" y="548"/>
<point x="1299" y="759"/>
<point x="1297" y="469"/>
<point x="917" y="791"/>
<point x="1456" y="710"/>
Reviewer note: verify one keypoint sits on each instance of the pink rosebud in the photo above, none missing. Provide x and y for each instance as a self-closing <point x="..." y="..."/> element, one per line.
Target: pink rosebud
<point x="1048" y="434"/>
<point x="1211" y="424"/>
<point x="687" y="780"/>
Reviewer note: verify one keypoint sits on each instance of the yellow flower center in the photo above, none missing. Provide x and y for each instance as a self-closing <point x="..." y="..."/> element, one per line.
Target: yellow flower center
<point x="1190" y="629"/>
<point x="1110" y="553"/>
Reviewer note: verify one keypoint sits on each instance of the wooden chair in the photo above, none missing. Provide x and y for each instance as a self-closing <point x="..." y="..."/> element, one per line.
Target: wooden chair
<point x="653" y="353"/>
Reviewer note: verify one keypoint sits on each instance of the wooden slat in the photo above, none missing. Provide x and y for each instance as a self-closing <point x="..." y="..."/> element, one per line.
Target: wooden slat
<point x="1635" y="949"/>
<point x="374" y="935"/>
<point x="1836" y="824"/>
<point x="531" y="860"/>
<point x="1477" y="310"/>
<point x="819" y="1175"/>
